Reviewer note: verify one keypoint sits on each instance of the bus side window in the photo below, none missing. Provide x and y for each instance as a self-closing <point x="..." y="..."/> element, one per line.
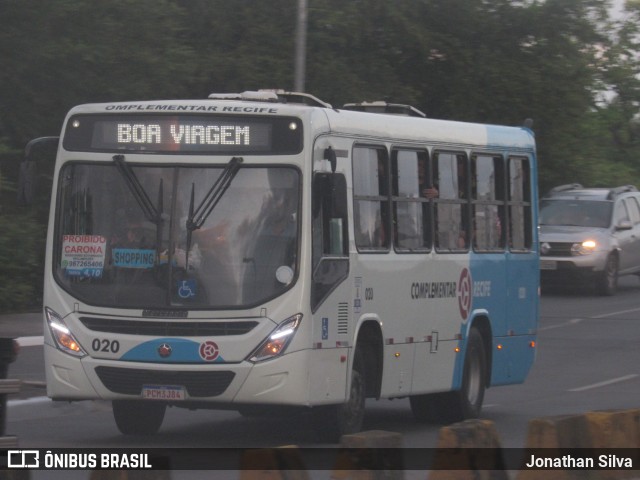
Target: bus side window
<point x="371" y="198"/>
<point x="487" y="193"/>
<point x="519" y="201"/>
<point x="330" y="235"/>
<point x="411" y="207"/>
<point x="451" y="207"/>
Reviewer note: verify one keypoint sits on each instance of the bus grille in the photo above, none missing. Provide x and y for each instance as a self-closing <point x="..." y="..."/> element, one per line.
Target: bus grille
<point x="129" y="381"/>
<point x="176" y="328"/>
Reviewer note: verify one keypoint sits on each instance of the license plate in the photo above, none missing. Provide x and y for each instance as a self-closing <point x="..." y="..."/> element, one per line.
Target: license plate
<point x="163" y="392"/>
<point x="548" y="265"/>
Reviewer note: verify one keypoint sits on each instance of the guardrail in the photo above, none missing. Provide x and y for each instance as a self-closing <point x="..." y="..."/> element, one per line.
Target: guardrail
<point x="8" y="352"/>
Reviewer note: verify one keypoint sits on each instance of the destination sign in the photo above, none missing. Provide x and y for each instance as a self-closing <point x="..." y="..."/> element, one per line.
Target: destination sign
<point x="184" y="134"/>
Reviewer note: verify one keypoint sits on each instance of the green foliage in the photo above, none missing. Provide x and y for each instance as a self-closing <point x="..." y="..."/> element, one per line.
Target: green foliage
<point x="21" y="261"/>
<point x="63" y="53"/>
<point x="563" y="63"/>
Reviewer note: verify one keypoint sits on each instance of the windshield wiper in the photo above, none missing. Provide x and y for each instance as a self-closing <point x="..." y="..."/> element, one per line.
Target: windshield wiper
<point x="150" y="211"/>
<point x="199" y="215"/>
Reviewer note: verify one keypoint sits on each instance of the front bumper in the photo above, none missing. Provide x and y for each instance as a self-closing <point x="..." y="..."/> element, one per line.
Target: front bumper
<point x="576" y="268"/>
<point x="282" y="381"/>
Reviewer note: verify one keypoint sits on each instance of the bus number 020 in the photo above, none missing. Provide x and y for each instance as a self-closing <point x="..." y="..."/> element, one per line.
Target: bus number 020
<point x="104" y="345"/>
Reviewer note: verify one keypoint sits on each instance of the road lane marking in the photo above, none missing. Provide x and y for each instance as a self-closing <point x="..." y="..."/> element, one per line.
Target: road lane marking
<point x="30" y="341"/>
<point x="605" y="383"/>
<point x="573" y="321"/>
<point x="28" y="401"/>
<point x="613" y="314"/>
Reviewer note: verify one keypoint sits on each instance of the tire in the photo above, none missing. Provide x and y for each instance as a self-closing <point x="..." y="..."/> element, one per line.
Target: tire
<point x="135" y="417"/>
<point x="450" y="407"/>
<point x="474" y="375"/>
<point x="333" y="421"/>
<point x="607" y="280"/>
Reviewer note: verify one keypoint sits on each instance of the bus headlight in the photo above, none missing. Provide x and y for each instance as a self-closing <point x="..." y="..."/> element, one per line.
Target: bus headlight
<point x="63" y="337"/>
<point x="584" y="248"/>
<point x="276" y="343"/>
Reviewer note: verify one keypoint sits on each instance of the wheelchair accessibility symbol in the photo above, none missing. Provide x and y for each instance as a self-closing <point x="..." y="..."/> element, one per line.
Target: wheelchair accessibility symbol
<point x="187" y="288"/>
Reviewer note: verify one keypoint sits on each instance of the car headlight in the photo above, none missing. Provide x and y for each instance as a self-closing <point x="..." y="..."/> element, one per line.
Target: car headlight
<point x="584" y="248"/>
<point x="63" y="337"/>
<point x="276" y="343"/>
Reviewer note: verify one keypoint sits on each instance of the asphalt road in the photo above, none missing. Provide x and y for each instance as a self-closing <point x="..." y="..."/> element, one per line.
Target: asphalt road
<point x="588" y="359"/>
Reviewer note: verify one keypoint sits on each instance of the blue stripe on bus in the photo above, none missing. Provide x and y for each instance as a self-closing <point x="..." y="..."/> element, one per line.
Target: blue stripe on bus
<point x="504" y="136"/>
<point x="182" y="351"/>
<point x="494" y="289"/>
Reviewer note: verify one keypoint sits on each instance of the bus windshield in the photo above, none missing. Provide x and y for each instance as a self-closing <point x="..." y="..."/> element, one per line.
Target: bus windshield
<point x="127" y="239"/>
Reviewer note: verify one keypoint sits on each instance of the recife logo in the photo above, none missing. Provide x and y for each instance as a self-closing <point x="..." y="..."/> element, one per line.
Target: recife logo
<point x="209" y="351"/>
<point x="465" y="293"/>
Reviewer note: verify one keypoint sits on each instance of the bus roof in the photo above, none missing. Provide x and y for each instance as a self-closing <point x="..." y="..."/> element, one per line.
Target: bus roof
<point x="367" y="125"/>
<point x="416" y="129"/>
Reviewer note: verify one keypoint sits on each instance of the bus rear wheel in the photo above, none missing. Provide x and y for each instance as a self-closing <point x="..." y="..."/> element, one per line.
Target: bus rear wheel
<point x="134" y="417"/>
<point x="467" y="402"/>
<point x="333" y="421"/>
<point x="449" y="407"/>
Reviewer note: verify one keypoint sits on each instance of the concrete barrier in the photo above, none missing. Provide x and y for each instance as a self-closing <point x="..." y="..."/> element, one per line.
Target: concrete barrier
<point x="601" y="432"/>
<point x="370" y="455"/>
<point x="283" y="463"/>
<point x="468" y="450"/>
<point x="561" y="431"/>
<point x="615" y="429"/>
<point x="549" y="435"/>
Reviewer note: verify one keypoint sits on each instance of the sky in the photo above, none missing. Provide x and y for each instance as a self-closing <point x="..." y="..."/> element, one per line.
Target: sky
<point x="616" y="7"/>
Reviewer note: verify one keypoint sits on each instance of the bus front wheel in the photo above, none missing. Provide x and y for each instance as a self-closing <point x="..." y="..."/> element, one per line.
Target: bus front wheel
<point x="135" y="417"/>
<point x="333" y="421"/>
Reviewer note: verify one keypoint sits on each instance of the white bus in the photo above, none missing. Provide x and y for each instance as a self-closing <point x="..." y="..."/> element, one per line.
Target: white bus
<point x="265" y="250"/>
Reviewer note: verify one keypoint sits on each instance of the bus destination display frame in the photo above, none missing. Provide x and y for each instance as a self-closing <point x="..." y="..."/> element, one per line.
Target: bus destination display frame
<point x="184" y="134"/>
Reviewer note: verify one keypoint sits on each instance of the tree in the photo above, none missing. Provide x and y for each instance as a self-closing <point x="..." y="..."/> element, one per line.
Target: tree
<point x="63" y="53"/>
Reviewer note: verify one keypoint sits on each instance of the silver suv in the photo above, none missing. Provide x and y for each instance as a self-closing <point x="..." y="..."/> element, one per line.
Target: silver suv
<point x="590" y="235"/>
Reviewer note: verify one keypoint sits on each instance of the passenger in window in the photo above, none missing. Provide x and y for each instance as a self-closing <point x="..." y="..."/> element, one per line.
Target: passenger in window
<point x="426" y="187"/>
<point x="431" y="191"/>
<point x="379" y="235"/>
<point x="461" y="170"/>
<point x="450" y="217"/>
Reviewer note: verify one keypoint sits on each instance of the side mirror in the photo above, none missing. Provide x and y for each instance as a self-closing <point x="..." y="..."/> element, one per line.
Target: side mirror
<point x="624" y="225"/>
<point x="28" y="174"/>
